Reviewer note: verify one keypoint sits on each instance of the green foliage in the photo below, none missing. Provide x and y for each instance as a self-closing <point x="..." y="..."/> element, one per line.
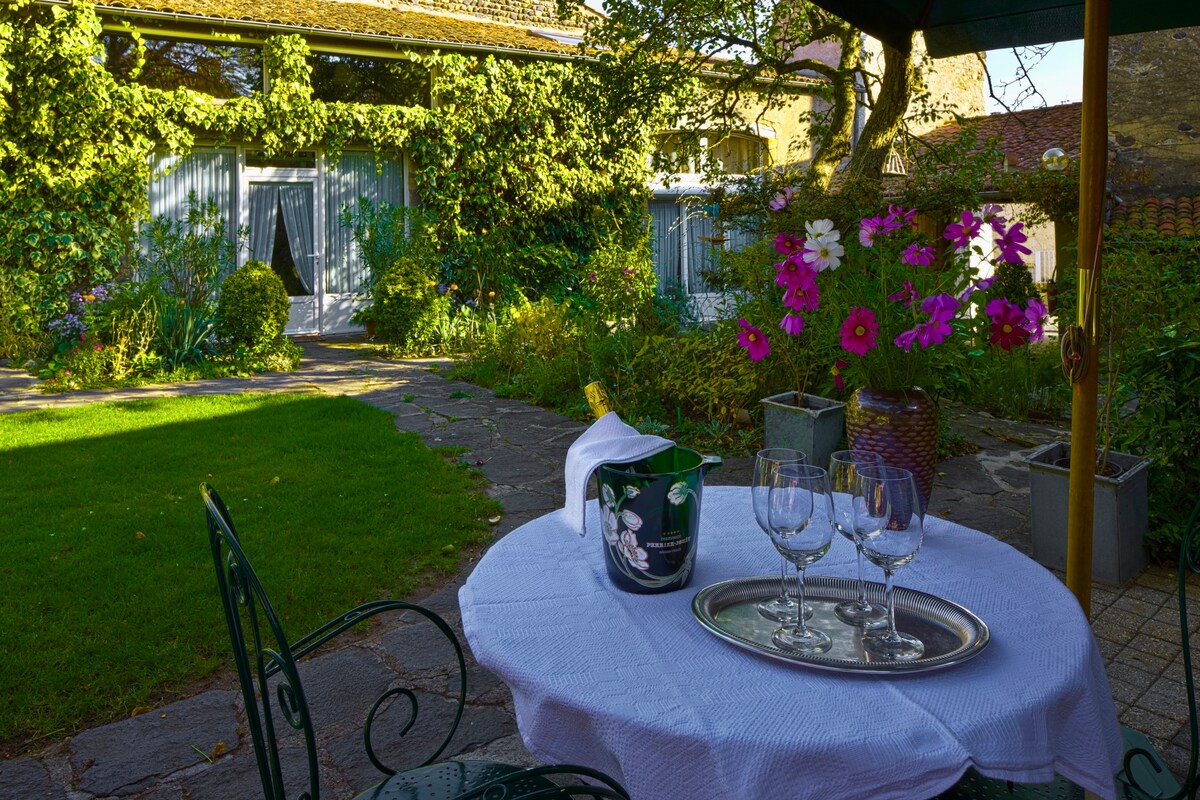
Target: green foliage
<point x="405" y="300"/>
<point x="385" y="234"/>
<point x="1014" y="282"/>
<point x="619" y="282"/>
<point x="705" y="374"/>
<point x="253" y="308"/>
<point x="1151" y="358"/>
<point x="501" y="150"/>
<point x="188" y="258"/>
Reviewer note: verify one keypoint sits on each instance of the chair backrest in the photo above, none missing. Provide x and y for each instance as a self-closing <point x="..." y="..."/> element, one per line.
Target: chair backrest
<point x="1189" y="564"/>
<point x="260" y="651"/>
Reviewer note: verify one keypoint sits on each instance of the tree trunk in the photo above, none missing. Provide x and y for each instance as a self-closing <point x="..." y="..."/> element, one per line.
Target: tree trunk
<point x="886" y="117"/>
<point x="834" y="144"/>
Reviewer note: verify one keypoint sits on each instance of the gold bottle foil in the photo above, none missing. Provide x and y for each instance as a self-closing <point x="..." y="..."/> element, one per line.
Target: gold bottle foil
<point x="597" y="399"/>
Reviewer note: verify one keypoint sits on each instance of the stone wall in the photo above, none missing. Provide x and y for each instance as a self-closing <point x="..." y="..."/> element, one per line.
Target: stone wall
<point x="1154" y="110"/>
<point x="954" y="86"/>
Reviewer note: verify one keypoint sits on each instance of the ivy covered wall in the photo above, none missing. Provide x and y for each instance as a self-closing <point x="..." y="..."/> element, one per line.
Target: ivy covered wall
<point x="531" y="147"/>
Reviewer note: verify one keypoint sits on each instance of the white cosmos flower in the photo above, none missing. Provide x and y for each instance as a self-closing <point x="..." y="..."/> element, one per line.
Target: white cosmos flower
<point x="822" y="229"/>
<point x="635" y="555"/>
<point x="632" y="492"/>
<point x="608" y="521"/>
<point x="606" y="493"/>
<point x="677" y="493"/>
<point x="631" y="520"/>
<point x="823" y="254"/>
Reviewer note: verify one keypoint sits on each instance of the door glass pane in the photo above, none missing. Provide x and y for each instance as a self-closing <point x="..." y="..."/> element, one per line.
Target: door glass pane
<point x="281" y="233"/>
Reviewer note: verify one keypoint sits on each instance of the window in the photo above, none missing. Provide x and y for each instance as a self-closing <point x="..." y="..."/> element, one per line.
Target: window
<point x="377" y="81"/>
<point x="225" y="71"/>
<point x="736" y="154"/>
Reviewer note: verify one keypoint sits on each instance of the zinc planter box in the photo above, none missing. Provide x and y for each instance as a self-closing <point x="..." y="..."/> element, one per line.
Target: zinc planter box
<point x="814" y="426"/>
<point x="1119" y="520"/>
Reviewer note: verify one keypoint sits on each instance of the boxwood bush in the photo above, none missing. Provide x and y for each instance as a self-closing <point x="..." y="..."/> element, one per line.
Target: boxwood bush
<point x="253" y="308"/>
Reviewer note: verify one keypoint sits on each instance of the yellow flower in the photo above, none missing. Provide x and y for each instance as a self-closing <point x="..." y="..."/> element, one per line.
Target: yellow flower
<point x="491" y="294"/>
<point x="454" y="287"/>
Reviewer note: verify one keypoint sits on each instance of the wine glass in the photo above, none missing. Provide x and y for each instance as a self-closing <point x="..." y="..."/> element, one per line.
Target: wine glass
<point x="800" y="523"/>
<point x="888" y="520"/>
<point x="782" y="608"/>
<point x="843" y="474"/>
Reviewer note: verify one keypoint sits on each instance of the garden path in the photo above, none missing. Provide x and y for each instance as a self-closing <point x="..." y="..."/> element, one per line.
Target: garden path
<point x="520" y="449"/>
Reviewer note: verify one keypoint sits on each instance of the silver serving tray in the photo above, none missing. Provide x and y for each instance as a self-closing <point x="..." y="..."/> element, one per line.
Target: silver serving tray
<point x="951" y="633"/>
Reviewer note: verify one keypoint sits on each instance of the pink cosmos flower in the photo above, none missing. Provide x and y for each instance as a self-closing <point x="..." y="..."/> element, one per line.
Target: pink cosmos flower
<point x="1008" y="324"/>
<point x="940" y="307"/>
<point x="905" y="340"/>
<point x="751" y="338"/>
<point x="991" y="215"/>
<point x="933" y="332"/>
<point x="1035" y="317"/>
<point x="1010" y="244"/>
<point x="962" y="234"/>
<point x="858" y="331"/>
<point x="908" y="294"/>
<point x="792" y="323"/>
<point x="838" y="380"/>
<point x="790" y="271"/>
<point x="868" y="229"/>
<point x="788" y="243"/>
<point x="779" y="202"/>
<point x="901" y="217"/>
<point x="978" y="286"/>
<point x="804" y="294"/>
<point x="917" y="256"/>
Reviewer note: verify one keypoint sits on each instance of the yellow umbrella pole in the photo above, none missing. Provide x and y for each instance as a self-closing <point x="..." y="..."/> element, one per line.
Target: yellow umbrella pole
<point x="1080" y="342"/>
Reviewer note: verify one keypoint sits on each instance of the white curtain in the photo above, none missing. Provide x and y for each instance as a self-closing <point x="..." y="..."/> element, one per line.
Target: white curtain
<point x="297" y="204"/>
<point x="664" y="241"/>
<point x="264" y="200"/>
<point x="208" y="173"/>
<point x="355" y="175"/>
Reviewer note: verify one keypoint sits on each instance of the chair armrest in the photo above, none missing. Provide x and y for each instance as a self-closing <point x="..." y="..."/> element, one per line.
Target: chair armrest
<point x="607" y="788"/>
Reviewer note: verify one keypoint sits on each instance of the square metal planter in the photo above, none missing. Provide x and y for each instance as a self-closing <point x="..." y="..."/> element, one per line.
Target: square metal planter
<point x="1119" y="520"/>
<point x="814" y="426"/>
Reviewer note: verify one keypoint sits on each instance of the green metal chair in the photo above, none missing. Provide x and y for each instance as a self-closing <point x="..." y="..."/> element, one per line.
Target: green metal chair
<point x="266" y="664"/>
<point x="1143" y="774"/>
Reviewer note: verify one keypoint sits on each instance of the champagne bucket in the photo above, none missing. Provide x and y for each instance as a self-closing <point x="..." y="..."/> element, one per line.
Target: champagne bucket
<point x="650" y="516"/>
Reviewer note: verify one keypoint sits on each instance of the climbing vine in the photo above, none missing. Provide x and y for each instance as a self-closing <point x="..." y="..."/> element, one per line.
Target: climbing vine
<point x="503" y="147"/>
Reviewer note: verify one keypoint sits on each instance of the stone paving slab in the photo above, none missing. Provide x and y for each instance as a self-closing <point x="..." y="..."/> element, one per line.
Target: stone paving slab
<point x="520" y="450"/>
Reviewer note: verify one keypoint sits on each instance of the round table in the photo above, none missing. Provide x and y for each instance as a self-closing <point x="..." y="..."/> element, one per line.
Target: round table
<point x="633" y="685"/>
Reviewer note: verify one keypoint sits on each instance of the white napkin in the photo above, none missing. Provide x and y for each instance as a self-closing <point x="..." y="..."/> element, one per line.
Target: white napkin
<point x="607" y="440"/>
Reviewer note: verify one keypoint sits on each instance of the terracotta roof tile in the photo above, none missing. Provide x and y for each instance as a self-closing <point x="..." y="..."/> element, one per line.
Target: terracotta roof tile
<point x="403" y="24"/>
<point x="1026" y="135"/>
<point x="1172" y="216"/>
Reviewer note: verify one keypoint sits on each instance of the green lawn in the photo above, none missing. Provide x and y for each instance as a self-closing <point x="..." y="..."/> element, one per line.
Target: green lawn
<point x="107" y="593"/>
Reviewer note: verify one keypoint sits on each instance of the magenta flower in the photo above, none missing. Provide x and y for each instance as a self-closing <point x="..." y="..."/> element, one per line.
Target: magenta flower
<point x="791" y="271"/>
<point x="788" y="243"/>
<point x="779" y="202"/>
<point x="991" y="215"/>
<point x="962" y="234"/>
<point x="868" y="229"/>
<point x="905" y="340"/>
<point x="917" y="256"/>
<point x="804" y="295"/>
<point x="908" y="294"/>
<point x="900" y="217"/>
<point x="978" y="286"/>
<point x="751" y="338"/>
<point x="933" y="332"/>
<point x="792" y="323"/>
<point x="858" y="331"/>
<point x="940" y="307"/>
<point x="1008" y="324"/>
<point x="1010" y="244"/>
<point x="1035" y="317"/>
<point x="838" y="380"/>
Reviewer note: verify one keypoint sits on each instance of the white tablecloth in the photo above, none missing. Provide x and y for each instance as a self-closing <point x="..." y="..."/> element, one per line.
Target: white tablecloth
<point x="633" y="685"/>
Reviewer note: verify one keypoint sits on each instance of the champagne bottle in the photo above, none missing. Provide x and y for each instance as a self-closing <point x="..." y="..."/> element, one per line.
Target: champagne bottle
<point x="597" y="399"/>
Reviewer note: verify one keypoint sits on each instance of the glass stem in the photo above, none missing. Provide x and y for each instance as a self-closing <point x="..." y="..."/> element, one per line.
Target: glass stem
<point x="783" y="589"/>
<point x="891" y="635"/>
<point x="862" y="581"/>
<point x="801" y="628"/>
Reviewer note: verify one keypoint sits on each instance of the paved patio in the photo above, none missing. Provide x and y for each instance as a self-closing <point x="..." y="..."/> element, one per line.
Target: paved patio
<point x="165" y="754"/>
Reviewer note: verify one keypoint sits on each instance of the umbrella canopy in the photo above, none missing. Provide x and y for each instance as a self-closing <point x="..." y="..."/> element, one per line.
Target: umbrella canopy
<point x="954" y="27"/>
